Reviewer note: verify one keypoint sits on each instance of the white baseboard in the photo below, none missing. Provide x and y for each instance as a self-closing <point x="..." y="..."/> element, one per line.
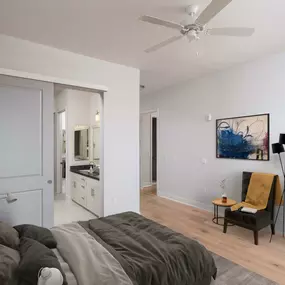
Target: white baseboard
<point x="146" y="186"/>
<point x="207" y="207"/>
<point x="192" y="203"/>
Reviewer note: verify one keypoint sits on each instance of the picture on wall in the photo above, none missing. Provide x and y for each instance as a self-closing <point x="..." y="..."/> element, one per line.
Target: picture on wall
<point x="243" y="137"/>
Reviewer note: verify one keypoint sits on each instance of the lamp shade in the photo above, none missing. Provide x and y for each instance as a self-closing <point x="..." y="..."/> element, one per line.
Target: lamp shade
<point x="277" y="148"/>
<point x="282" y="138"/>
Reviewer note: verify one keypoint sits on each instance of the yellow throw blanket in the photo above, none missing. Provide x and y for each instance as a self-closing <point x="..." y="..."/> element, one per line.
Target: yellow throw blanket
<point x="259" y="190"/>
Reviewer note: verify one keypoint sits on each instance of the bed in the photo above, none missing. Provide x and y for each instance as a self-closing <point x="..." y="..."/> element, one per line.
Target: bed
<point x="124" y="249"/>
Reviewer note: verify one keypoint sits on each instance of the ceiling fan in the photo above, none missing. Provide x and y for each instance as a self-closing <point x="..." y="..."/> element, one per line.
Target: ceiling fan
<point x="192" y="31"/>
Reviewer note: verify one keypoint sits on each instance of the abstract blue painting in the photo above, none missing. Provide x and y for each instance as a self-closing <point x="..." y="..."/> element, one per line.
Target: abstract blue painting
<point x="243" y="137"/>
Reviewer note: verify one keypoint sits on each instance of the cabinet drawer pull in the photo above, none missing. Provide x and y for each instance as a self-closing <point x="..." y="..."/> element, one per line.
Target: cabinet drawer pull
<point x="83" y="198"/>
<point x="92" y="192"/>
<point x="83" y="186"/>
<point x="82" y="179"/>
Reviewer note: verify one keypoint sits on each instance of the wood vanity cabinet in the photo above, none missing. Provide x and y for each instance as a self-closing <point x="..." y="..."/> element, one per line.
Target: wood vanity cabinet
<point x="86" y="192"/>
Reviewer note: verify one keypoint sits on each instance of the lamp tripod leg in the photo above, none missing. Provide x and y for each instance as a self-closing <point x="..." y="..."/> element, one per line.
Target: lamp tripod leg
<point x="281" y="199"/>
<point x="283" y="214"/>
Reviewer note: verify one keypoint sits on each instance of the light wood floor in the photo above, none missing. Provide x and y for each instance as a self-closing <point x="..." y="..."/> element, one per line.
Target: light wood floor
<point x="237" y="245"/>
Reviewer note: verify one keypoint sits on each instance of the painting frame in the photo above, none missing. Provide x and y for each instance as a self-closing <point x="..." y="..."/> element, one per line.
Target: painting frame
<point x="218" y="122"/>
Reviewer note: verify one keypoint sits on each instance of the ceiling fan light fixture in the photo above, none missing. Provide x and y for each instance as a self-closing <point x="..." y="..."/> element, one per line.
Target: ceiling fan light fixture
<point x="194" y="34"/>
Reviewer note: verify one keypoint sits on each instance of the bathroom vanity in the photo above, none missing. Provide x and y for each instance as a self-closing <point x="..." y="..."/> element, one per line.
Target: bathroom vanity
<point x="85" y="188"/>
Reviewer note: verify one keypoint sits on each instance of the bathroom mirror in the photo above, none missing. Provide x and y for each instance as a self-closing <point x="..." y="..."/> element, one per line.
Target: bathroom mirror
<point x="96" y="139"/>
<point x="81" y="143"/>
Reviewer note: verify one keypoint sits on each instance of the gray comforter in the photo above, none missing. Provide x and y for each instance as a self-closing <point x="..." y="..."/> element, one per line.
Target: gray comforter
<point x="90" y="262"/>
<point x="152" y="254"/>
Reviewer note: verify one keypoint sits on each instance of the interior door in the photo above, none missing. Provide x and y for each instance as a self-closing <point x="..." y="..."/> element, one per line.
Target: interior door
<point x="26" y="151"/>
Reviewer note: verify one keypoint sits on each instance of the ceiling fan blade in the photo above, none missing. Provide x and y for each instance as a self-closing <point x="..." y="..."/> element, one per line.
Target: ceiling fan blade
<point x="157" y="21"/>
<point x="164" y="43"/>
<point x="211" y="11"/>
<point x="234" y="32"/>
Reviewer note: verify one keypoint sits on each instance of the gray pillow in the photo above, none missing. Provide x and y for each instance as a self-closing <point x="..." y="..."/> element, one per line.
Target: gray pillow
<point x="9" y="236"/>
<point x="40" y="234"/>
<point x="9" y="261"/>
<point x="35" y="256"/>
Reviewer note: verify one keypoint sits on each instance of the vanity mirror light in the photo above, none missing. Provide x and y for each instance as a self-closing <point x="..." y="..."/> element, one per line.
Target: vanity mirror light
<point x="96" y="139"/>
<point x="81" y="143"/>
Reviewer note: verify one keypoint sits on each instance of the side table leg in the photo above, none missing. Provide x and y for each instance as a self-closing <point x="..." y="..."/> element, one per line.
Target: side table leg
<point x="214" y="218"/>
<point x="216" y="214"/>
<point x="225" y="226"/>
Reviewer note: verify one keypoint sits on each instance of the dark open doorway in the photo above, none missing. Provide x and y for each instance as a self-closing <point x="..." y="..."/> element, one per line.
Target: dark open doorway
<point x="154" y="149"/>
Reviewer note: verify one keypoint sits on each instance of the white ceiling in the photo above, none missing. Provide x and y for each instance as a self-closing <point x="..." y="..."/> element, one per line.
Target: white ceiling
<point x="110" y="30"/>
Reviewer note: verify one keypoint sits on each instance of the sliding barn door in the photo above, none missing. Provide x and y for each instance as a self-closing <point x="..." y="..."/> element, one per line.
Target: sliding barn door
<point x="26" y="151"/>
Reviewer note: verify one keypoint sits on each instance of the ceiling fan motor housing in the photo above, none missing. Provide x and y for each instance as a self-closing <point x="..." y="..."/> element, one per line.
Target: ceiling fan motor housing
<point x="192" y="10"/>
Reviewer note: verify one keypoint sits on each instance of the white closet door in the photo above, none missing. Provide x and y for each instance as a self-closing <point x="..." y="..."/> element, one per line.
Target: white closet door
<point x="26" y="151"/>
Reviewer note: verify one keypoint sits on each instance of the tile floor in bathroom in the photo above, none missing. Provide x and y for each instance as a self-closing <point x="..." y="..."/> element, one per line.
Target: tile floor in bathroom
<point x="67" y="211"/>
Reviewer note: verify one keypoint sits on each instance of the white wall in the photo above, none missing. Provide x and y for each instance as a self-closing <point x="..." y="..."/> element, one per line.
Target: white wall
<point x="78" y="113"/>
<point x="95" y="105"/>
<point x="145" y="150"/>
<point x="121" y="109"/>
<point x="185" y="137"/>
<point x="60" y="101"/>
<point x="77" y="106"/>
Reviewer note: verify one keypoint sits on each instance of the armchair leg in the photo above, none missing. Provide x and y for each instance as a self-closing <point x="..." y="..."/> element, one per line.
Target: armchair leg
<point x="272" y="229"/>
<point x="255" y="233"/>
<point x="225" y="226"/>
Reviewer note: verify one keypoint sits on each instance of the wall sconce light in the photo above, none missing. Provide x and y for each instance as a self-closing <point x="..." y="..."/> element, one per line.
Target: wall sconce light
<point x="97" y="116"/>
<point x="10" y="198"/>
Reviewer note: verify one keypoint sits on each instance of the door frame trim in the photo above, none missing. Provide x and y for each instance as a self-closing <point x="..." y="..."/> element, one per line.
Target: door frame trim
<point x="151" y="112"/>
<point x="151" y="131"/>
<point x="58" y="152"/>
<point x="58" y="80"/>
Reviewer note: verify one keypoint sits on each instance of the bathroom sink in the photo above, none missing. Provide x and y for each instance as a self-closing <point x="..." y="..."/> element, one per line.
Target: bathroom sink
<point x="87" y="171"/>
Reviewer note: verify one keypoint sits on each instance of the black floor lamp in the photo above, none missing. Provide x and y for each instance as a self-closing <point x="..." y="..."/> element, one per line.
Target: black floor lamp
<point x="278" y="148"/>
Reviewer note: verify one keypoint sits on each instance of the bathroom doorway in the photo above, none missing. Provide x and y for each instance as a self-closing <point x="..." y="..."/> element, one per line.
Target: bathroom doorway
<point x="149" y="127"/>
<point x="79" y="147"/>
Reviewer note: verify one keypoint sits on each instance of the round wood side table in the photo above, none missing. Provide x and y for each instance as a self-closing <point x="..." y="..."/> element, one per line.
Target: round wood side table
<point x="219" y="203"/>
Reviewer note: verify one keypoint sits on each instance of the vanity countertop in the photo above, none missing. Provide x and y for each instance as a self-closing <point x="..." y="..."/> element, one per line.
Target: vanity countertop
<point x="84" y="171"/>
